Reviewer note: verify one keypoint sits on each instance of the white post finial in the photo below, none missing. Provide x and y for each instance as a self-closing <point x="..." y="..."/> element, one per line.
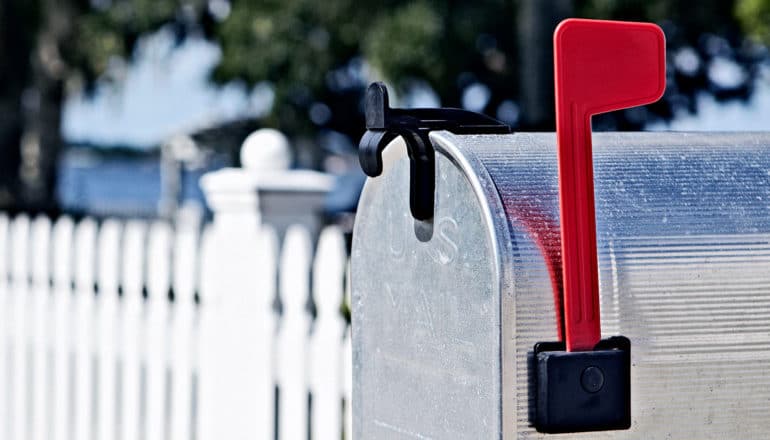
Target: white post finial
<point x="266" y="149"/>
<point x="266" y="190"/>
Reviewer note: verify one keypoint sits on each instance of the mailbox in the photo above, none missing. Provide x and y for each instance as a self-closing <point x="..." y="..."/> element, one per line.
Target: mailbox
<point x="457" y="285"/>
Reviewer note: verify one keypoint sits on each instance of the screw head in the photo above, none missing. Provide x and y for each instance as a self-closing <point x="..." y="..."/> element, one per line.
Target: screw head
<point x="592" y="379"/>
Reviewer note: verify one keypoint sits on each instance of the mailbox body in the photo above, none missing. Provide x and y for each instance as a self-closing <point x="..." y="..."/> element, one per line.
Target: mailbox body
<point x="446" y="314"/>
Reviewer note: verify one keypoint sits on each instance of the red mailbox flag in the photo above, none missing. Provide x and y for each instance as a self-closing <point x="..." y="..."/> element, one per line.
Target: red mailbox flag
<point x="599" y="66"/>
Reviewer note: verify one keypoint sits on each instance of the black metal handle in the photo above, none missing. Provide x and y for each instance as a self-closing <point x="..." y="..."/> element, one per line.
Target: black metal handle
<point x="384" y="124"/>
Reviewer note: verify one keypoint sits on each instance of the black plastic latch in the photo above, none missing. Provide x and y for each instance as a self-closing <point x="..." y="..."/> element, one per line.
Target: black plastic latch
<point x="583" y="390"/>
<point x="384" y="124"/>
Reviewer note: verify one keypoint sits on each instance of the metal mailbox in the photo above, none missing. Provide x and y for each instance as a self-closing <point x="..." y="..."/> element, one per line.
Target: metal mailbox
<point x="444" y="329"/>
<point x="484" y="262"/>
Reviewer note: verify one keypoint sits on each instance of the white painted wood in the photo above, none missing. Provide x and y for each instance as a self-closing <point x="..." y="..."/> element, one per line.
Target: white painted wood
<point x="4" y="328"/>
<point x="183" y="331"/>
<point x="63" y="258"/>
<point x="79" y="364"/>
<point x="265" y="331"/>
<point x="156" y="329"/>
<point x="20" y="420"/>
<point x="41" y="318"/>
<point x="328" y="334"/>
<point x="347" y="367"/>
<point x="107" y="334"/>
<point x="85" y="268"/>
<point x="229" y="288"/>
<point x="293" y="335"/>
<point x="132" y="279"/>
<point x="348" y="384"/>
<point x="206" y="412"/>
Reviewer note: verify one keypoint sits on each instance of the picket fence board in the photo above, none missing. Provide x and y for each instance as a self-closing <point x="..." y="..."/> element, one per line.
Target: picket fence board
<point x="347" y="367"/>
<point x="328" y="335"/>
<point x="150" y="330"/>
<point x="4" y="347"/>
<point x="292" y="338"/>
<point x="263" y="341"/>
<point x="20" y="319"/>
<point x="63" y="258"/>
<point x="132" y="281"/>
<point x="184" y="332"/>
<point x="108" y="267"/>
<point x="156" y="329"/>
<point x="41" y="314"/>
<point x="83" y="345"/>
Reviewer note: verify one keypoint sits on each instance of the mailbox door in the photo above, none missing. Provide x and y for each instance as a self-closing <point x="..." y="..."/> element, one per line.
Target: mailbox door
<point x="426" y="297"/>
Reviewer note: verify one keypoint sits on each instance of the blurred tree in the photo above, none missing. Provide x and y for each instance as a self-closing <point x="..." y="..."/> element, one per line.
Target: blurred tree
<point x="492" y="56"/>
<point x="48" y="45"/>
<point x="755" y="17"/>
<point x="19" y="21"/>
<point x="319" y="56"/>
<point x="708" y="52"/>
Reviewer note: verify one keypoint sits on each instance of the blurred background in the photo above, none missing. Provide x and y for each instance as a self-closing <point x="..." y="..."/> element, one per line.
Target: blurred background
<point x="179" y="179"/>
<point x="117" y="107"/>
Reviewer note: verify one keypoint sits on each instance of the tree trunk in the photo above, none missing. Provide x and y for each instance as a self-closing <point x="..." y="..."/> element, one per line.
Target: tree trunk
<point x="536" y="22"/>
<point x="42" y="139"/>
<point x="41" y="143"/>
<point x="18" y="25"/>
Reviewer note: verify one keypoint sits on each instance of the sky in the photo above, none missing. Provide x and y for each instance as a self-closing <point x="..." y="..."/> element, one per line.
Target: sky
<point x="726" y="116"/>
<point x="166" y="92"/>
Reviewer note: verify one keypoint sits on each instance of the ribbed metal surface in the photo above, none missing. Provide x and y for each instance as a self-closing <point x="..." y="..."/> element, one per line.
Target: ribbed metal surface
<point x="683" y="227"/>
<point x="683" y="223"/>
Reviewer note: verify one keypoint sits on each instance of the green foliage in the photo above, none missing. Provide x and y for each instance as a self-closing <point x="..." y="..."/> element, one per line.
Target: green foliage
<point x="405" y="43"/>
<point x="276" y="42"/>
<point x="754" y="15"/>
<point x="101" y="33"/>
<point x="318" y="55"/>
<point x="293" y="45"/>
<point x="654" y="10"/>
<point x="298" y="45"/>
<point x="691" y="18"/>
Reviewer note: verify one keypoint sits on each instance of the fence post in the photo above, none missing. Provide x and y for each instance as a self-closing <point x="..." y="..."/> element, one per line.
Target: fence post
<point x="238" y="263"/>
<point x="286" y="196"/>
<point x="229" y="392"/>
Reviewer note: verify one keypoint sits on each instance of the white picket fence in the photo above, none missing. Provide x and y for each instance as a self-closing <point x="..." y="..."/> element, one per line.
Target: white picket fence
<point x="94" y="346"/>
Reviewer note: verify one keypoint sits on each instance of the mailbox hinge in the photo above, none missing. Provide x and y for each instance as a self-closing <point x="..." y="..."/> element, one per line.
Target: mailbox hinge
<point x="383" y="124"/>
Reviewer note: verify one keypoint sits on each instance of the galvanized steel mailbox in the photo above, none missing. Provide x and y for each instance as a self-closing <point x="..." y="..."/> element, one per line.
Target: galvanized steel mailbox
<point x="463" y="326"/>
